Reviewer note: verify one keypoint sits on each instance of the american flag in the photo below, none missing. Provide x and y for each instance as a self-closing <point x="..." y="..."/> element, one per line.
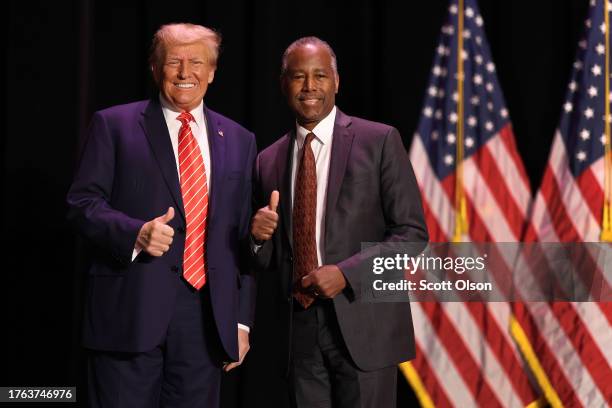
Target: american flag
<point x="569" y="344"/>
<point x="465" y="354"/>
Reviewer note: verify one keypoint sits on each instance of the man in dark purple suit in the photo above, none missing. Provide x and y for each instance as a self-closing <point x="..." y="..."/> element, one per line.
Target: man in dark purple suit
<point x="156" y="336"/>
<point x="330" y="184"/>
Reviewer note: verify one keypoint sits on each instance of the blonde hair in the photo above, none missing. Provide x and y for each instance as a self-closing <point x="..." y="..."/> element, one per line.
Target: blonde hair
<point x="184" y="33"/>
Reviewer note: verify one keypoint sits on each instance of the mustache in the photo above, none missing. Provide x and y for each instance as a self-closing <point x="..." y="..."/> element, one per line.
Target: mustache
<point x="302" y="97"/>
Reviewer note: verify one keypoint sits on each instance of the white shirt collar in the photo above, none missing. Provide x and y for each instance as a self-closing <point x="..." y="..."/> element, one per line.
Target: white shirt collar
<point x="323" y="131"/>
<point x="170" y="112"/>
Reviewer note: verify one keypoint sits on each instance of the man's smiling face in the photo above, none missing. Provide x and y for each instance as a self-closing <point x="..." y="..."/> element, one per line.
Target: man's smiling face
<point x="310" y="84"/>
<point x="183" y="75"/>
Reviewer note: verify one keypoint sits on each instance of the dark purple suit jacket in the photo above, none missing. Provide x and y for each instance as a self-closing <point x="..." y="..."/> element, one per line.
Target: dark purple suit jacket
<point x="127" y="175"/>
<point x="372" y="196"/>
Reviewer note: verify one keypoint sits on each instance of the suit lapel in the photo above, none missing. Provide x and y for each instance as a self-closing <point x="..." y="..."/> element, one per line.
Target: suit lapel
<point x="216" y="142"/>
<point x="284" y="164"/>
<point x="341" y="147"/>
<point x="156" y="130"/>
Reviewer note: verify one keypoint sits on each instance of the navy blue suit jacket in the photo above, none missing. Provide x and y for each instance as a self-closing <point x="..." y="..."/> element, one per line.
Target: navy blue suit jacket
<point x="127" y="176"/>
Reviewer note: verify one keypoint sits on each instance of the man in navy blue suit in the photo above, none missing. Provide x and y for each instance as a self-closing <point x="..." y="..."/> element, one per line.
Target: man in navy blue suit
<point x="162" y="197"/>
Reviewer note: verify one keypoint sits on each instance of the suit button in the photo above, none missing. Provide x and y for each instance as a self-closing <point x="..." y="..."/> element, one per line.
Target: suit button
<point x="181" y="230"/>
<point x="174" y="268"/>
<point x="290" y="258"/>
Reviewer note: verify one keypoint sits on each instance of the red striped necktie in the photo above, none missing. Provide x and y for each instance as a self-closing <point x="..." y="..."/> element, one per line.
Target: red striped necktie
<point x="194" y="190"/>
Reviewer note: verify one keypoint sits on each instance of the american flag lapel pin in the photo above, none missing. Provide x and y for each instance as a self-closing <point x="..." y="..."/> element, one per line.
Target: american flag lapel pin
<point x="220" y="132"/>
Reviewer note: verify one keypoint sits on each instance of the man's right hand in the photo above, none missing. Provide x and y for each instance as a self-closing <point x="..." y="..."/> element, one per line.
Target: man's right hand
<point x="265" y="221"/>
<point x="155" y="236"/>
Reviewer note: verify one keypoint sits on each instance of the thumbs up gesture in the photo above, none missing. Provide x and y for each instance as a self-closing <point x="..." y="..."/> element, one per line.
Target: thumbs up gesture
<point x="155" y="236"/>
<point x="265" y="221"/>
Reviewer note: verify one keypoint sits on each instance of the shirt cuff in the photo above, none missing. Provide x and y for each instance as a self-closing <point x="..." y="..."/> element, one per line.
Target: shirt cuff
<point x="243" y="327"/>
<point x="135" y="253"/>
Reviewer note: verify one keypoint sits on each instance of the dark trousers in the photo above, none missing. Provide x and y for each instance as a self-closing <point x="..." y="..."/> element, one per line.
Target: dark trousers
<point x="184" y="370"/>
<point x="322" y="373"/>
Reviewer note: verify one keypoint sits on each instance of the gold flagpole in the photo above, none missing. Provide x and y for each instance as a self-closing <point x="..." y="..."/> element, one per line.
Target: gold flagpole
<point x="606" y="222"/>
<point x="461" y="222"/>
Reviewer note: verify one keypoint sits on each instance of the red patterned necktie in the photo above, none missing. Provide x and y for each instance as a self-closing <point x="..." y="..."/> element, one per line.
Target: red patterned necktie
<point x="305" y="223"/>
<point x="194" y="190"/>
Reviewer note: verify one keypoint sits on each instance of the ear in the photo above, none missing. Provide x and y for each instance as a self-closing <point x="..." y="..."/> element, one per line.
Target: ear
<point x="337" y="82"/>
<point x="155" y="73"/>
<point x="211" y="76"/>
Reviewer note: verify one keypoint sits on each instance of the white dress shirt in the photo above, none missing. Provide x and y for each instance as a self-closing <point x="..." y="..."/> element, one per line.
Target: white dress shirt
<point x="321" y="147"/>
<point x="198" y="128"/>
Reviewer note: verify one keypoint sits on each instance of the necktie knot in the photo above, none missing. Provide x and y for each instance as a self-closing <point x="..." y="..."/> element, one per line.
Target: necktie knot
<point x="185" y="118"/>
<point x="309" y="138"/>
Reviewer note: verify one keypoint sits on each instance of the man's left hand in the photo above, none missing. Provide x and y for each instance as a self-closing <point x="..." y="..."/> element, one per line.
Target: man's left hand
<point x="243" y="348"/>
<point x="326" y="281"/>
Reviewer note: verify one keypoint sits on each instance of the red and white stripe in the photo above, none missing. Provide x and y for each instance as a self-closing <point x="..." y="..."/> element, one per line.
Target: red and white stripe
<point x="194" y="190"/>
<point x="465" y="355"/>
<point x="573" y="341"/>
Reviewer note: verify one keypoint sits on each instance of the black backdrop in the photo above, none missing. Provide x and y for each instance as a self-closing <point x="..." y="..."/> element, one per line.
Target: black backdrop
<point x="65" y="59"/>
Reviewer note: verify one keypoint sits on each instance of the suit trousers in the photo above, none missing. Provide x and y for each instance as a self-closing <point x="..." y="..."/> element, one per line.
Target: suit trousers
<point x="322" y="373"/>
<point x="184" y="370"/>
